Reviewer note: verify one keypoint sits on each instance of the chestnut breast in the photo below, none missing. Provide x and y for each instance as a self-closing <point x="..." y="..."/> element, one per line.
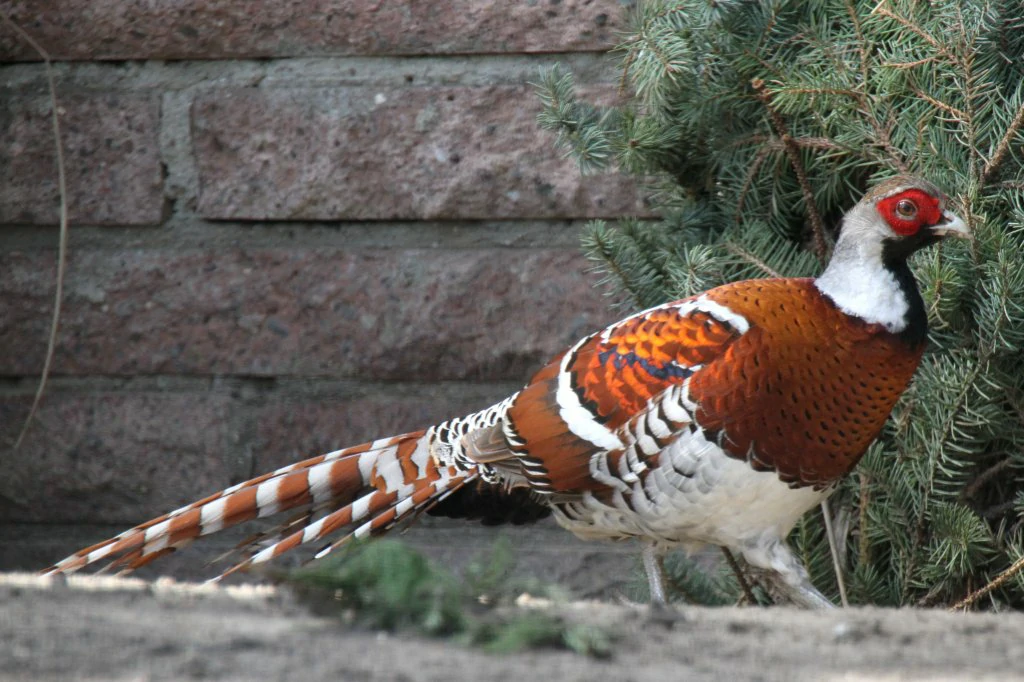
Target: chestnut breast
<point x="807" y="389"/>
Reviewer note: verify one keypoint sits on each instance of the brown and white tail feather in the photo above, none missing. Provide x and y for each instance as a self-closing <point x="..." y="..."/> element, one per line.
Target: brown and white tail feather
<point x="378" y="483"/>
<point x="380" y="511"/>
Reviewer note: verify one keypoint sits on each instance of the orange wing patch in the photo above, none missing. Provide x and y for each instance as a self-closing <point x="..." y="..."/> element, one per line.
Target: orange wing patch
<point x="644" y="355"/>
<point x="573" y="408"/>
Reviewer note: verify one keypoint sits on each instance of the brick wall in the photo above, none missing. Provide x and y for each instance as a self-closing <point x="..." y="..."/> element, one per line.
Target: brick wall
<point x="296" y="225"/>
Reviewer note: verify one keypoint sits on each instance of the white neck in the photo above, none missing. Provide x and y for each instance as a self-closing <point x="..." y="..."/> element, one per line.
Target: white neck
<point x="857" y="281"/>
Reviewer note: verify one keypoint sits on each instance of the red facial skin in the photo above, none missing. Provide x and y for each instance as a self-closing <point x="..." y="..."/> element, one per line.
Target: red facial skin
<point x="926" y="211"/>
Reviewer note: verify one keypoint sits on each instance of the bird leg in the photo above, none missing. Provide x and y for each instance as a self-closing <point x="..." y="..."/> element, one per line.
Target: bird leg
<point x="654" y="565"/>
<point x="785" y="571"/>
<point x="661" y="612"/>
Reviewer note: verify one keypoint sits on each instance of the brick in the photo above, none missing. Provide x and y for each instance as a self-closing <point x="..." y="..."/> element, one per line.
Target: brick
<point x="291" y="430"/>
<point x="111" y="155"/>
<point x="416" y="314"/>
<point x="222" y="29"/>
<point x="111" y="458"/>
<point x="362" y="153"/>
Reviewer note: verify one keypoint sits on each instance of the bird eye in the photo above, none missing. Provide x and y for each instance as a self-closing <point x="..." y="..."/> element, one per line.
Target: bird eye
<point x="906" y="208"/>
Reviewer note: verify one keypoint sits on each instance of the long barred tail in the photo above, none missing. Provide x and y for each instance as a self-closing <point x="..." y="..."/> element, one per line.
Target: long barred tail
<point x="374" y="485"/>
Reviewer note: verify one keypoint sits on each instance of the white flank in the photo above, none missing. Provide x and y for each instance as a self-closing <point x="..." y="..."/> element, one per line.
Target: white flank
<point x="647" y="445"/>
<point x="672" y="409"/>
<point x="722" y="501"/>
<point x="625" y="469"/>
<point x="266" y="497"/>
<point x="634" y="463"/>
<point x="656" y="425"/>
<point x="578" y="418"/>
<point x="601" y="473"/>
<point x="211" y="516"/>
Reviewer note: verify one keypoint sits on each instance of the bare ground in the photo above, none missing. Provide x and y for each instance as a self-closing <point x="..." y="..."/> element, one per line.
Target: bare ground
<point x="95" y="628"/>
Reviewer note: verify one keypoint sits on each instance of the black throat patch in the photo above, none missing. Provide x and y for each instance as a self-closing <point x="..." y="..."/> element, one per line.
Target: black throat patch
<point x="895" y="253"/>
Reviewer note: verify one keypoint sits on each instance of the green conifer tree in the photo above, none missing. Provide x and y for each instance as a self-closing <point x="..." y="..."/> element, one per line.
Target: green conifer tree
<point x="756" y="125"/>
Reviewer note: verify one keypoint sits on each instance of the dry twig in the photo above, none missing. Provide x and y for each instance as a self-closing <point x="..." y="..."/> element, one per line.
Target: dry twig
<point x="740" y="577"/>
<point x="63" y="241"/>
<point x="743" y="254"/>
<point x="837" y="566"/>
<point x="992" y="167"/>
<point x="793" y="152"/>
<point x="992" y="584"/>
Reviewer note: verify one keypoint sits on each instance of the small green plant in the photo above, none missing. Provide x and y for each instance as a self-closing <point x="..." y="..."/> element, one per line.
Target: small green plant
<point x="385" y="584"/>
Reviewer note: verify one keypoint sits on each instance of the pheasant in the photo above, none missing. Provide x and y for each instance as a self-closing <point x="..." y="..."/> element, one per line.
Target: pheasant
<point x="717" y="419"/>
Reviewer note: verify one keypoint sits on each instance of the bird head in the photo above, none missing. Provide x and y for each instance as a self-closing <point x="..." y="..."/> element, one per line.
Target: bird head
<point x="897" y="217"/>
<point x="868" y="276"/>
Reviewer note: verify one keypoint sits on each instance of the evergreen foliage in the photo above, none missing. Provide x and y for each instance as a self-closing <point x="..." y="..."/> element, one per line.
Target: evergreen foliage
<point x="756" y="125"/>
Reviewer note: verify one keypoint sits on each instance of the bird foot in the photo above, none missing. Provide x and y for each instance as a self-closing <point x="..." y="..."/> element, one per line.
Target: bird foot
<point x="663" y="615"/>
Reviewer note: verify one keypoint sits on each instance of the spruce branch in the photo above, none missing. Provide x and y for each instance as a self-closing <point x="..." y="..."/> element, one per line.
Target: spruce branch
<point x="748" y="181"/>
<point x="972" y="488"/>
<point x="747" y="256"/>
<point x="958" y="115"/>
<point x="792" y="151"/>
<point x="992" y="167"/>
<point x="775" y="144"/>
<point x="741" y="577"/>
<point x="864" y="542"/>
<point x="909" y="65"/>
<point x="883" y="132"/>
<point x="993" y="584"/>
<point x="947" y="432"/>
<point x="883" y="11"/>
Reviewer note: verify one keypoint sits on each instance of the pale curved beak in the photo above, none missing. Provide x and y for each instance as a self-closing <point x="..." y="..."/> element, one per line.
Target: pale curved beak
<point x="951" y="225"/>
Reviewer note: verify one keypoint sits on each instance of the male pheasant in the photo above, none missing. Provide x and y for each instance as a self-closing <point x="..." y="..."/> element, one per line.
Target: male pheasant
<point x="717" y="419"/>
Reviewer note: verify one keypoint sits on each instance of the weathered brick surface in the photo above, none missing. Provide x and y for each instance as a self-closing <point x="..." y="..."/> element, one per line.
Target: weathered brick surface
<point x="111" y="154"/>
<point x="113" y="458"/>
<point x="481" y="314"/>
<point x="219" y="29"/>
<point x="288" y="431"/>
<point x="363" y="153"/>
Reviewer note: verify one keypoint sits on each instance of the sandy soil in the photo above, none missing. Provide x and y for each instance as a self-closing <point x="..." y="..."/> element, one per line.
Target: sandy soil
<point x="93" y="628"/>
